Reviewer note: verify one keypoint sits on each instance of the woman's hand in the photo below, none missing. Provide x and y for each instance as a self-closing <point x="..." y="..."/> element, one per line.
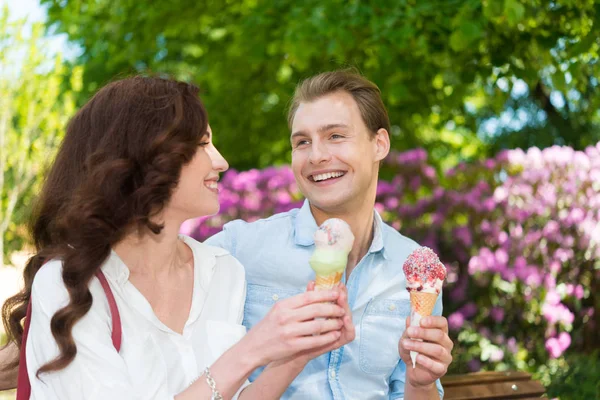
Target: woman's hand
<point x="347" y="332"/>
<point x="308" y="321"/>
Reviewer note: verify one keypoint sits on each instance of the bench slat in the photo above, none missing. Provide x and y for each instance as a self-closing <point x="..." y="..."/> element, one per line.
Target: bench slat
<point x="519" y="389"/>
<point x="476" y="378"/>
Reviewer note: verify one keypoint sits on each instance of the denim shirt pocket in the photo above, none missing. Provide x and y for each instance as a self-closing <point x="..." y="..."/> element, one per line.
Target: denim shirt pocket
<point x="381" y="327"/>
<point x="260" y="299"/>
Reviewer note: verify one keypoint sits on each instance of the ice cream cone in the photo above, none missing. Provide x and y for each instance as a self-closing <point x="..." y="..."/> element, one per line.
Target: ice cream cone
<point x="328" y="282"/>
<point x="422" y="304"/>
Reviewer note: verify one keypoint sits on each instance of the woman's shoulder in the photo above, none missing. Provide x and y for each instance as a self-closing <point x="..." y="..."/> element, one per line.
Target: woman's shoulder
<point x="49" y="289"/>
<point x="49" y="277"/>
<point x="207" y="249"/>
<point x="223" y="258"/>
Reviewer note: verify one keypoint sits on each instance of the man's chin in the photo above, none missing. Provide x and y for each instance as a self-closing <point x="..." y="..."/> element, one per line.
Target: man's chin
<point x="327" y="205"/>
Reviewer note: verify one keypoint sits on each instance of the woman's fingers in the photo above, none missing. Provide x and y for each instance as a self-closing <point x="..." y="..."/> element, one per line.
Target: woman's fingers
<point x="314" y="342"/>
<point x="310" y="297"/>
<point x="319" y="310"/>
<point x="314" y="327"/>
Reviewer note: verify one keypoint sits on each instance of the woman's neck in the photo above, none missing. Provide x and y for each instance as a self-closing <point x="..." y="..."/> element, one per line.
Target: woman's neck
<point x="152" y="254"/>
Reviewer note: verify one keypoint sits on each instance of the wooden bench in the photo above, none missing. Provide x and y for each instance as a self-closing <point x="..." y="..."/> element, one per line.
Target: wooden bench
<point x="492" y="385"/>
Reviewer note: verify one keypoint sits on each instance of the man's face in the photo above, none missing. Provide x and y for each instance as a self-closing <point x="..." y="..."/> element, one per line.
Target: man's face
<point x="335" y="159"/>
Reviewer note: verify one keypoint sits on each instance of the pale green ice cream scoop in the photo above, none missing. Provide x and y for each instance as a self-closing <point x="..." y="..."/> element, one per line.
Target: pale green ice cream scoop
<point x="333" y="242"/>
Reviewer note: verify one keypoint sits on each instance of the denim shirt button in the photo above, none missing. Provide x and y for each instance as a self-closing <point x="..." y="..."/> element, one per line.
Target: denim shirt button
<point x="275" y="297"/>
<point x="392" y="307"/>
<point x="332" y="374"/>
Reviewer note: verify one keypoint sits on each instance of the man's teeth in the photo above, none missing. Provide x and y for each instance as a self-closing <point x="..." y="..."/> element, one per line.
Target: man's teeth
<point x="211" y="185"/>
<point x="329" y="175"/>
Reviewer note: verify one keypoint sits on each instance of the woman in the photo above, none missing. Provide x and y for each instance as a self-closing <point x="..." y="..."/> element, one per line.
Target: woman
<point x="138" y="160"/>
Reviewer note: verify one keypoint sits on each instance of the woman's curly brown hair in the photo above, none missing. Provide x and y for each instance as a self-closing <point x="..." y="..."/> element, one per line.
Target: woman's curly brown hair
<point x="116" y="169"/>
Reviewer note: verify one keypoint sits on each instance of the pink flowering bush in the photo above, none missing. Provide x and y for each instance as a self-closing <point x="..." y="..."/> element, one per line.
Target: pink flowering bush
<point x="519" y="234"/>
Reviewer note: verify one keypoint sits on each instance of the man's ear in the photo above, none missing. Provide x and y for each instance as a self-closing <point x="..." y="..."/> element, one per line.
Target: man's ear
<point x="382" y="144"/>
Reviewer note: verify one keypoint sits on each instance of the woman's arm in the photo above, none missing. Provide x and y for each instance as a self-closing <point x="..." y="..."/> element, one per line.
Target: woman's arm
<point x="290" y="329"/>
<point x="8" y="378"/>
<point x="274" y="380"/>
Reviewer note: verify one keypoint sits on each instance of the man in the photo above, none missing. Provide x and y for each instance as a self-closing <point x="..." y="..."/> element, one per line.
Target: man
<point x="339" y="136"/>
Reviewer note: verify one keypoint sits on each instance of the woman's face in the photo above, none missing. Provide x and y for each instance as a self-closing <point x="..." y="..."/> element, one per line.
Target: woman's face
<point x="197" y="192"/>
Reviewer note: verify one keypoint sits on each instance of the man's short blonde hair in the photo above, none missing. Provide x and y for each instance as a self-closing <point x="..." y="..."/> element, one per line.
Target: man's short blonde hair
<point x="366" y="94"/>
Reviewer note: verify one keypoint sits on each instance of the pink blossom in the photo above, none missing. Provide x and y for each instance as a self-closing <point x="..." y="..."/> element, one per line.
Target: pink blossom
<point x="455" y="321"/>
<point x="497" y="355"/>
<point x="497" y="314"/>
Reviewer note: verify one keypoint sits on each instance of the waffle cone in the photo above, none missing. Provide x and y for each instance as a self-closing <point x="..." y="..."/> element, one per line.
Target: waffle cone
<point x="422" y="302"/>
<point x="328" y="282"/>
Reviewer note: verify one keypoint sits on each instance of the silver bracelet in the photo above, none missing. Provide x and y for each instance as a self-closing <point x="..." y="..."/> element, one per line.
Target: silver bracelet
<point x="213" y="386"/>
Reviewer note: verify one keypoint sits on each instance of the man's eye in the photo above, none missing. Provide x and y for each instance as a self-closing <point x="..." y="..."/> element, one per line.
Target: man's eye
<point x="301" y="143"/>
<point x="336" y="136"/>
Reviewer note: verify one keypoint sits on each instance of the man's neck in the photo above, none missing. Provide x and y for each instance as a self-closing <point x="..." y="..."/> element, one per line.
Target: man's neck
<point x="361" y="224"/>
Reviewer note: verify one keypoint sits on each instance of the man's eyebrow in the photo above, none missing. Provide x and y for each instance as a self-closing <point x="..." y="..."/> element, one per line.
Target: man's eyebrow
<point x="327" y="127"/>
<point x="321" y="129"/>
<point x="298" y="133"/>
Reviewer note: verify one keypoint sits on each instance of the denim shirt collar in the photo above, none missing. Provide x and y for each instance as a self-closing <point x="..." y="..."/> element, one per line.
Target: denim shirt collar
<point x="306" y="226"/>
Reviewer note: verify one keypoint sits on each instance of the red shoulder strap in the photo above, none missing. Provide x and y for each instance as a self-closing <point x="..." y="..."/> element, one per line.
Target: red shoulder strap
<point x="114" y="311"/>
<point x="23" y="383"/>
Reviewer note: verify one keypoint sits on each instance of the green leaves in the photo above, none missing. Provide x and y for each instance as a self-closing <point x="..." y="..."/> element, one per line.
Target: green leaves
<point x="514" y="11"/>
<point x="37" y="97"/>
<point x="425" y="55"/>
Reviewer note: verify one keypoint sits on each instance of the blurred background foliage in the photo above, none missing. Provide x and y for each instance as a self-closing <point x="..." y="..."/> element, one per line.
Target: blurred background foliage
<point x="462" y="80"/>
<point x="37" y="98"/>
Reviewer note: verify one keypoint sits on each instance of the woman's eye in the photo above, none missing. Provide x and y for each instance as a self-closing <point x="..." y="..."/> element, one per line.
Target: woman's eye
<point x="203" y="144"/>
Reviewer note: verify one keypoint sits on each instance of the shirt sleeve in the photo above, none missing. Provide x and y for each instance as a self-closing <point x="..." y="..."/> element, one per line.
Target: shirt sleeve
<point x="98" y="371"/>
<point x="397" y="379"/>
<point x="226" y="239"/>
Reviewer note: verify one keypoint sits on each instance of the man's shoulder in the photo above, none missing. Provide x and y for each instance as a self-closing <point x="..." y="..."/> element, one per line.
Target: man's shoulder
<point x="397" y="245"/>
<point x="276" y="220"/>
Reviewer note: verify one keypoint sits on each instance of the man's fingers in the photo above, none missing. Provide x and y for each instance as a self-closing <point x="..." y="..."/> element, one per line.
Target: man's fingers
<point x="432" y="350"/>
<point x="436" y="368"/>
<point x="430" y="335"/>
<point x="436" y="322"/>
<point x="311" y="286"/>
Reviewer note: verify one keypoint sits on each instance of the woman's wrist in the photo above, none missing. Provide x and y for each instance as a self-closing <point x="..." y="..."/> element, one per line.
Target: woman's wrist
<point x="250" y="355"/>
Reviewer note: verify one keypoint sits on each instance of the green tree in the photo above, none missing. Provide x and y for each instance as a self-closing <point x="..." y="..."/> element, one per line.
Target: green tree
<point x="448" y="69"/>
<point x="35" y="105"/>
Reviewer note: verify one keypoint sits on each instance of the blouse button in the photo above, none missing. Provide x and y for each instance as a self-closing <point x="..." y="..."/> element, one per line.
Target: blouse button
<point x="392" y="307"/>
<point x="275" y="297"/>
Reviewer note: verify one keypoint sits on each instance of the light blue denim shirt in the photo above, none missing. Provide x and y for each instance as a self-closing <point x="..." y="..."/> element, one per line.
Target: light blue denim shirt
<point x="275" y="253"/>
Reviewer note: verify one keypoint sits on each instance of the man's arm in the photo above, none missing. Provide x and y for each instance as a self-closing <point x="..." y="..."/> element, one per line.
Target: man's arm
<point x="8" y="379"/>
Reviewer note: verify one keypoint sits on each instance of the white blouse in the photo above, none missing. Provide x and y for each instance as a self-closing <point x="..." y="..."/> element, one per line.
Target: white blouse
<point x="155" y="362"/>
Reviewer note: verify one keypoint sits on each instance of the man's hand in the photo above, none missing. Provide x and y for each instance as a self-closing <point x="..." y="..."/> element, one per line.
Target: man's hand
<point x="435" y="351"/>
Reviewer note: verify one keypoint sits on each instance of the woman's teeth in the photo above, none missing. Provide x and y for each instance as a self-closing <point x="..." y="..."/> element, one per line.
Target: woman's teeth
<point x="211" y="185"/>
